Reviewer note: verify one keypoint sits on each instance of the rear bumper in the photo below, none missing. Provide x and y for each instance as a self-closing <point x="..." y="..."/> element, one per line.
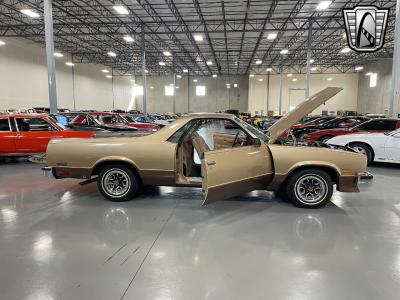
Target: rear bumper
<point x="348" y="184"/>
<point x="64" y="172"/>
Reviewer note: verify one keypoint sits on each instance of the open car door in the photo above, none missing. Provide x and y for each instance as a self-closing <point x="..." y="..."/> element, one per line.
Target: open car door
<point x="233" y="171"/>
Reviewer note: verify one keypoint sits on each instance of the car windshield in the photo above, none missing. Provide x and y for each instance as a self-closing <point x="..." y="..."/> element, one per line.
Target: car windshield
<point x="254" y="131"/>
<point x="129" y="119"/>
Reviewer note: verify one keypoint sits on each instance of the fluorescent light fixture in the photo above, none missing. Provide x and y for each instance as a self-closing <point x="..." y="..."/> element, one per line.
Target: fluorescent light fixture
<point x="70" y="64"/>
<point x="345" y="50"/>
<point x="122" y="10"/>
<point x="258" y="62"/>
<point x="200" y="90"/>
<point x="132" y="80"/>
<point x="152" y="87"/>
<point x="209" y="62"/>
<point x="198" y="37"/>
<point x="369" y="74"/>
<point x="161" y="63"/>
<point x="323" y="5"/>
<point x="105" y="71"/>
<point x="251" y="75"/>
<point x="108" y="76"/>
<point x="215" y="76"/>
<point x="235" y="85"/>
<point x="344" y="35"/>
<point x="272" y="36"/>
<point x="289" y="75"/>
<point x="311" y="61"/>
<point x="268" y="69"/>
<point x="294" y="79"/>
<point x="2" y="43"/>
<point x="58" y="54"/>
<point x="260" y="79"/>
<point x="169" y="90"/>
<point x="185" y="71"/>
<point x="129" y="39"/>
<point x="228" y="85"/>
<point x="178" y="76"/>
<point x="194" y="80"/>
<point x="30" y="13"/>
<point x="177" y="87"/>
<point x="146" y="71"/>
<point x="359" y="68"/>
<point x="284" y="51"/>
<point x="112" y="54"/>
<point x="373" y="79"/>
<point x="313" y="69"/>
<point x="329" y="79"/>
<point x="167" y="53"/>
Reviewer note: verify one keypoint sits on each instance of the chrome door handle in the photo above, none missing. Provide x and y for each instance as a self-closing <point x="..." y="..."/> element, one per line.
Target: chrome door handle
<point x="211" y="162"/>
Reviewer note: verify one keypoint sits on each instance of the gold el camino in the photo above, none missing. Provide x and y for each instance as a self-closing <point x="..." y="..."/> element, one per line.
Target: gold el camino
<point x="218" y="152"/>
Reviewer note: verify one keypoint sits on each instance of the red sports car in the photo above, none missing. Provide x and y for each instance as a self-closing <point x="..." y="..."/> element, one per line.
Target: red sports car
<point x="27" y="134"/>
<point x="118" y="119"/>
<point x="374" y="125"/>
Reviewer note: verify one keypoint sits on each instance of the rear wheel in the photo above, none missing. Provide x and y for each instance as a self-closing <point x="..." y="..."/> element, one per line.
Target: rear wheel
<point x="362" y="149"/>
<point x="118" y="182"/>
<point x="325" y="138"/>
<point x="309" y="188"/>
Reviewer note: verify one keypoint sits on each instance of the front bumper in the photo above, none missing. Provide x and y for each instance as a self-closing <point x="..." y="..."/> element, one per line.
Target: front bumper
<point x="348" y="184"/>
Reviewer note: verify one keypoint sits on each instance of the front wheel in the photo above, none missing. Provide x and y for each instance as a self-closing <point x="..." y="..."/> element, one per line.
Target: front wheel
<point x="118" y="182"/>
<point x="362" y="149"/>
<point x="325" y="138"/>
<point x="310" y="188"/>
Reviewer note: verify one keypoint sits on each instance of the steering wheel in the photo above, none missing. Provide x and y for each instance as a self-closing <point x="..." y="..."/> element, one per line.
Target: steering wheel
<point x="236" y="138"/>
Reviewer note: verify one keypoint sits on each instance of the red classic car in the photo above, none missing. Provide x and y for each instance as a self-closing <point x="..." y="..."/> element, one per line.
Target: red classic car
<point x="118" y="119"/>
<point x="27" y="134"/>
<point x="374" y="125"/>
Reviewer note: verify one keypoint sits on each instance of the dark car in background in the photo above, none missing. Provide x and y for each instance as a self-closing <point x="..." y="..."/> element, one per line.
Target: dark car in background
<point x="83" y="122"/>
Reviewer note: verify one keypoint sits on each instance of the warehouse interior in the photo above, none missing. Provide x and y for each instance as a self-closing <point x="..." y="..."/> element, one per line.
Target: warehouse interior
<point x="178" y="60"/>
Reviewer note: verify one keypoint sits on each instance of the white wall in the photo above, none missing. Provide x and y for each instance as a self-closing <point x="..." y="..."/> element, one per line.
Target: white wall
<point x="23" y="81"/>
<point x="345" y="100"/>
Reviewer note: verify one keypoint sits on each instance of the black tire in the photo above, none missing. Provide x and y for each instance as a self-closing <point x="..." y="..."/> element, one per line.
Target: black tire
<point x="325" y="138"/>
<point x="363" y="149"/>
<point x="128" y="180"/>
<point x="322" y="181"/>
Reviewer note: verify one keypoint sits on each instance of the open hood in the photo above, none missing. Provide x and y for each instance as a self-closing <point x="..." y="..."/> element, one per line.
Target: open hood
<point x="300" y="111"/>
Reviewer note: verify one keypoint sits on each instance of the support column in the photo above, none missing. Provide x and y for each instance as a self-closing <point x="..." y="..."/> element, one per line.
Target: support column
<point x="395" y="85"/>
<point x="267" y="92"/>
<point x="280" y="91"/>
<point x="112" y="88"/>
<point x="174" y="83"/>
<point x="144" y="72"/>
<point x="51" y="70"/>
<point x="308" y="59"/>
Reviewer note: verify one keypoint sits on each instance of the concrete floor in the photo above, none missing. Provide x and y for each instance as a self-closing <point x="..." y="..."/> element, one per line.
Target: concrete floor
<point x="59" y="240"/>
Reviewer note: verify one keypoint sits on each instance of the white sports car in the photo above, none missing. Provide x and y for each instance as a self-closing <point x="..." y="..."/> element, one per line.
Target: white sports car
<point x="380" y="147"/>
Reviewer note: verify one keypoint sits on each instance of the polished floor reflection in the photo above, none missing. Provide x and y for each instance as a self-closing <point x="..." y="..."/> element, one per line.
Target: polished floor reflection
<point x="59" y="240"/>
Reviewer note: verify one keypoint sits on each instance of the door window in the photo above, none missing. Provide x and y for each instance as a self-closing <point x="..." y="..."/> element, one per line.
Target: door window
<point x="379" y="125"/>
<point x="4" y="125"/>
<point x="33" y="124"/>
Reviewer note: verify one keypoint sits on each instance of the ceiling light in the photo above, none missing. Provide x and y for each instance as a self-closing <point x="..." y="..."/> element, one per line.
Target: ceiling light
<point x="129" y="39"/>
<point x="358" y="68"/>
<point x="272" y="36"/>
<point x="228" y="85"/>
<point x="30" y="13"/>
<point x="108" y="76"/>
<point x="112" y="54"/>
<point x="289" y="75"/>
<point x="178" y="76"/>
<point x="294" y="79"/>
<point x="368" y="74"/>
<point x="177" y="87"/>
<point x="313" y="69"/>
<point x="311" y="61"/>
<point x="70" y="64"/>
<point x="235" y="85"/>
<point x="167" y="53"/>
<point x="344" y="35"/>
<point x="209" y="62"/>
<point x="198" y="37"/>
<point x="251" y="75"/>
<point x="2" y="43"/>
<point x="329" y="79"/>
<point x="345" y="50"/>
<point x="105" y="71"/>
<point x="161" y="63"/>
<point x="260" y="79"/>
<point x="58" y="54"/>
<point x="323" y="5"/>
<point x="215" y="76"/>
<point x="284" y="51"/>
<point x="146" y="71"/>
<point x="152" y="87"/>
<point x="122" y="10"/>
<point x="185" y="70"/>
<point x="194" y="80"/>
<point x="258" y="62"/>
<point x="268" y="69"/>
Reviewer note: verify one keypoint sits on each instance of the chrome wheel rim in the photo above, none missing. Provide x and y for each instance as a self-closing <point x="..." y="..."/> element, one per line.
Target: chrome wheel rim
<point x="116" y="182"/>
<point x="311" y="189"/>
<point x="359" y="149"/>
